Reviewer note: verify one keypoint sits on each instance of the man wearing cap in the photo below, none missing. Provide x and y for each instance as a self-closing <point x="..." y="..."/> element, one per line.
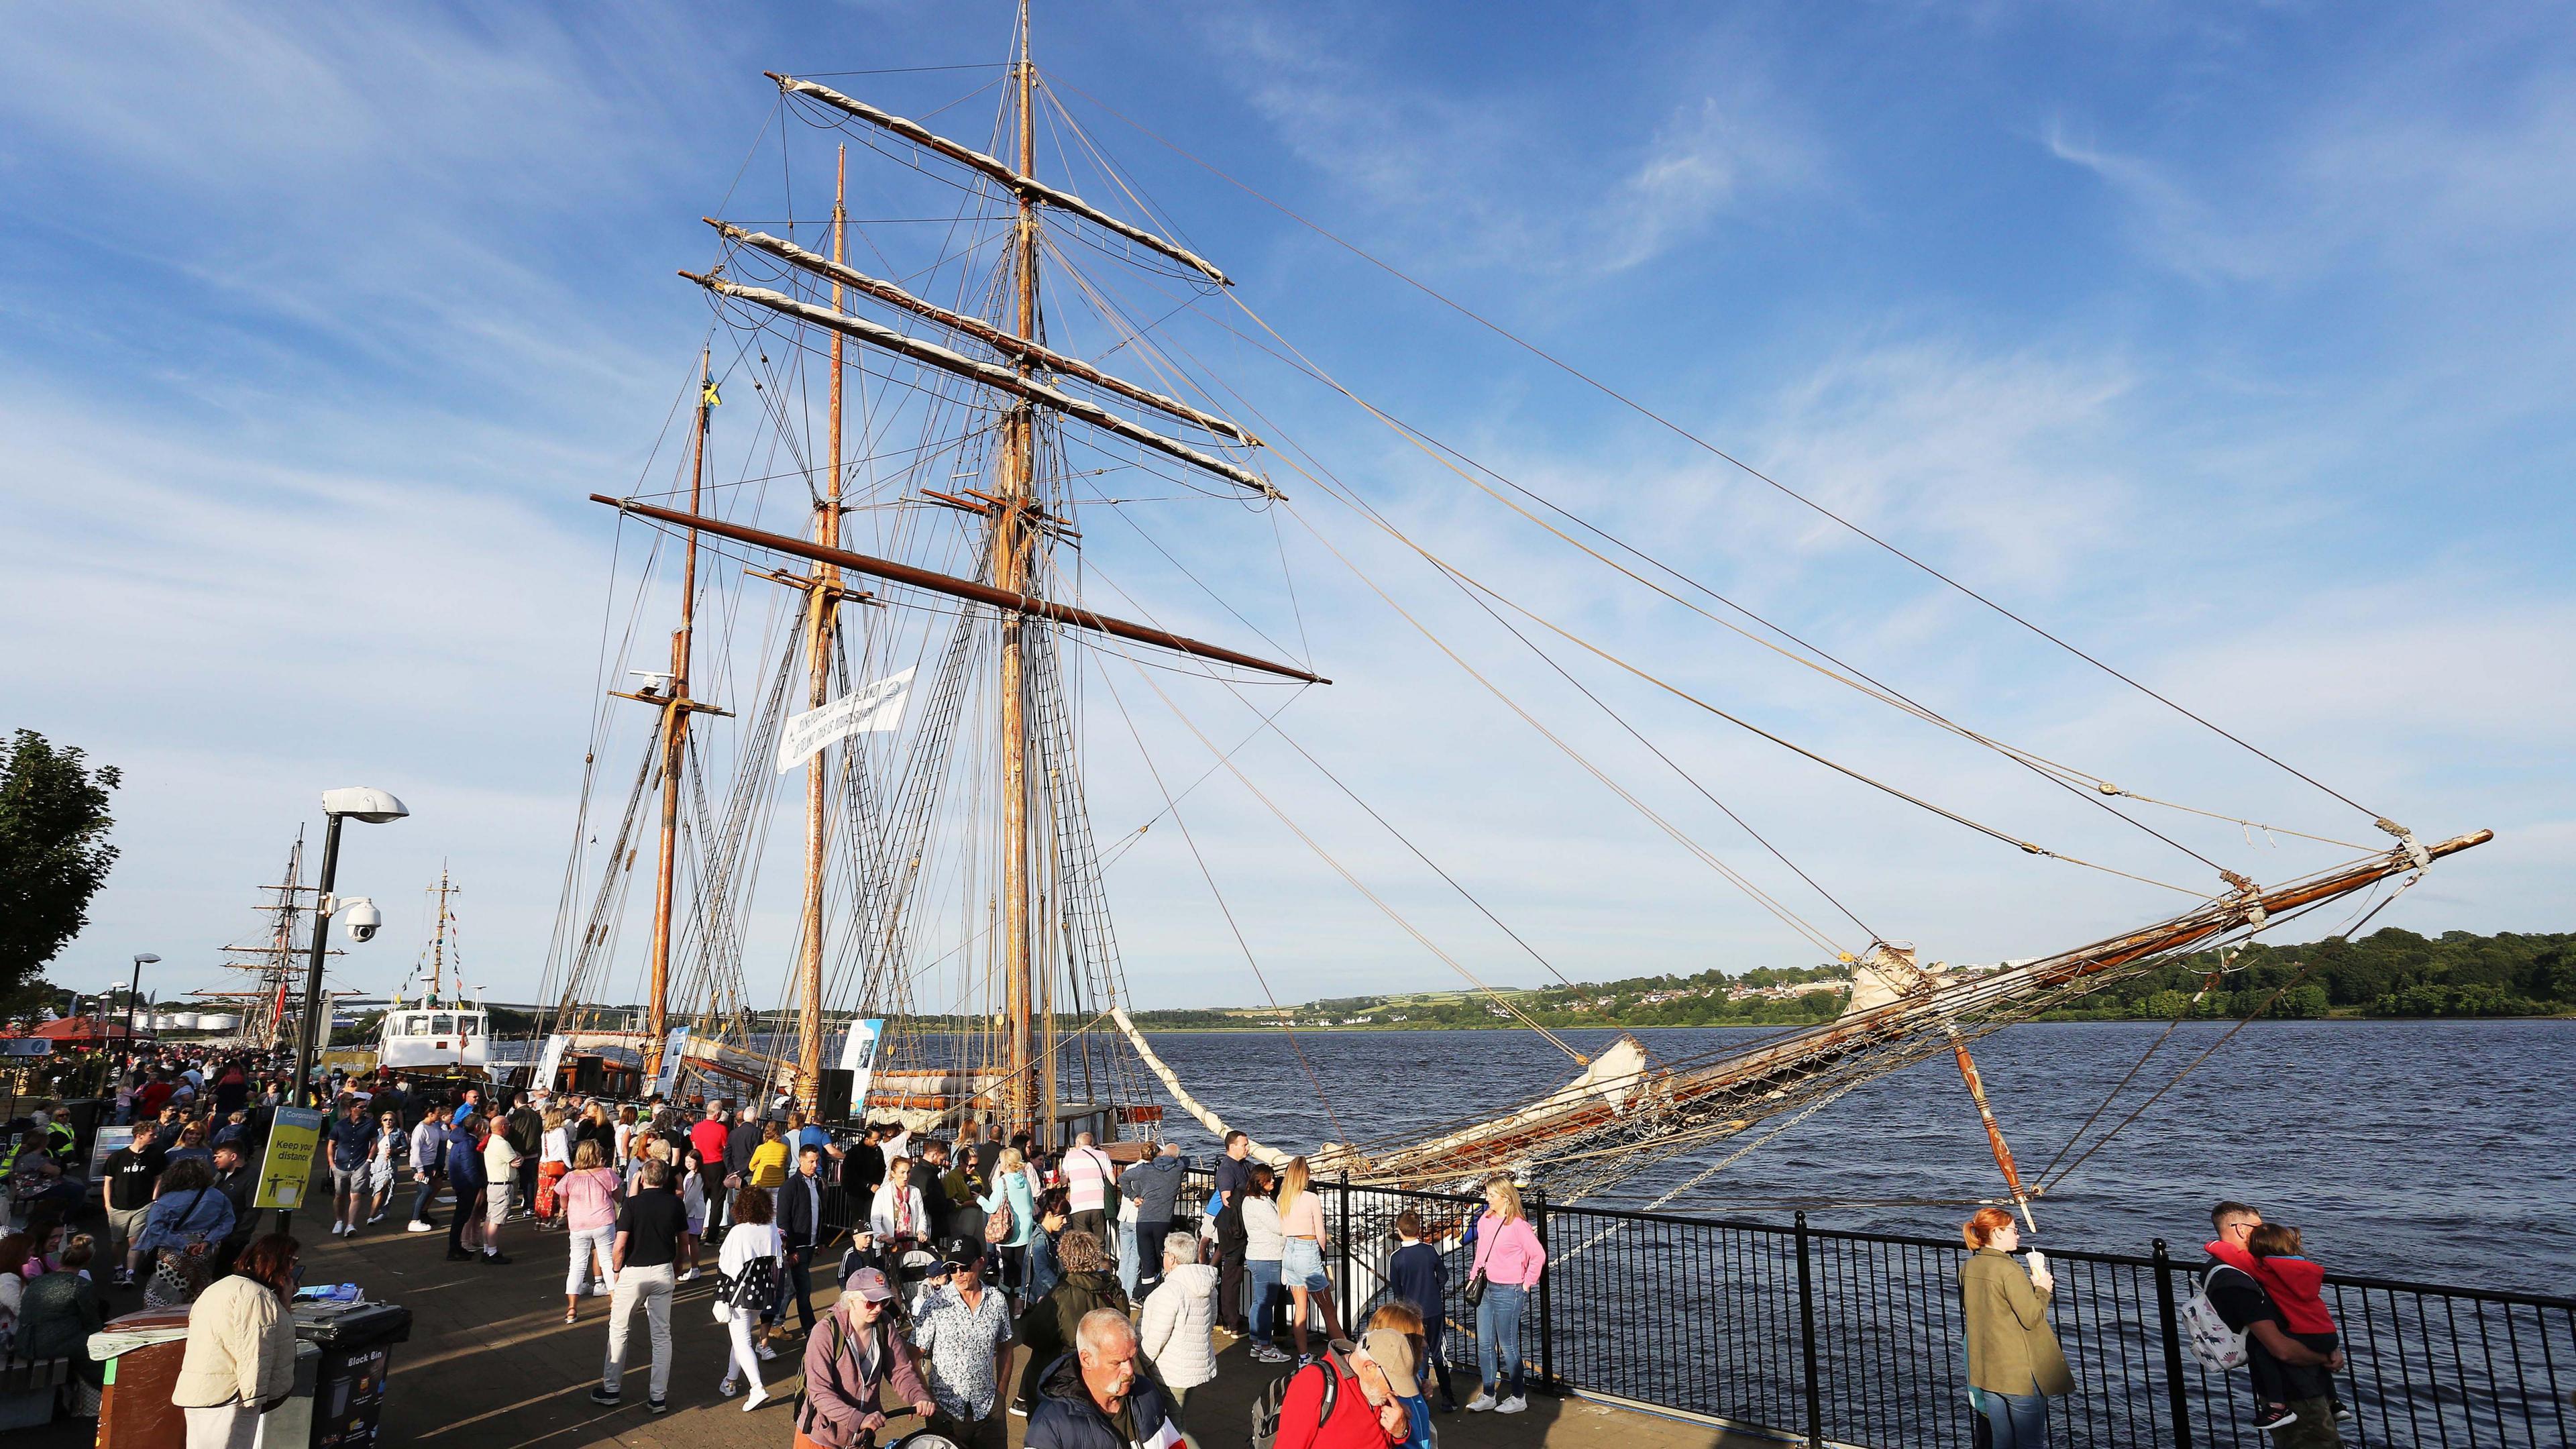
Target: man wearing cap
<point x="965" y="1329"/>
<point x="848" y="1362"/>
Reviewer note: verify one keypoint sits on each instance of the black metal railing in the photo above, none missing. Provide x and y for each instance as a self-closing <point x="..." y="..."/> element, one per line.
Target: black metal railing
<point x="1856" y="1338"/>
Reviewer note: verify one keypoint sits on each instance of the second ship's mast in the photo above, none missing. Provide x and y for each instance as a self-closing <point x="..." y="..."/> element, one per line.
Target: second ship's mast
<point x="823" y="595"/>
<point x="675" y="746"/>
<point x="1012" y="553"/>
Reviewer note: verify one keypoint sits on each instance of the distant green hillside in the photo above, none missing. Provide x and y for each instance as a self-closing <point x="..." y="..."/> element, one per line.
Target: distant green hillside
<point x="2390" y="973"/>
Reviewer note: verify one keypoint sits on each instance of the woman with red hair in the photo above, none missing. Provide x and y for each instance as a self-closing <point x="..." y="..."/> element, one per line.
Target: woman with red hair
<point x="240" y="1361"/>
<point x="2014" y="1363"/>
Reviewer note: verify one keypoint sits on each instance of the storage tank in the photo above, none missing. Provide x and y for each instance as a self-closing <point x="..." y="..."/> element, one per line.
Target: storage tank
<point x="183" y="1021"/>
<point x="218" y="1021"/>
<point x="161" y="1021"/>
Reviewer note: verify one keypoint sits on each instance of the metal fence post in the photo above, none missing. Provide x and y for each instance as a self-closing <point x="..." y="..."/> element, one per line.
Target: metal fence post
<point x="1807" y="1338"/>
<point x="1342" y="1258"/>
<point x="1546" y="1319"/>
<point x="2177" y="1403"/>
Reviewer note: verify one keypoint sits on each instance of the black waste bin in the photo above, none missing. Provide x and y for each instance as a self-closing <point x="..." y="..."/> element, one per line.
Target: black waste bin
<point x="349" y="1386"/>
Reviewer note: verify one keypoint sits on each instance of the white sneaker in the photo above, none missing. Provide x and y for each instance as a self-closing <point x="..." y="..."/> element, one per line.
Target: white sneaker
<point x="380" y="1217"/>
<point x="1479" y="1404"/>
<point x="338" y="1228"/>
<point x="728" y="1389"/>
<point x="417" y="1226"/>
<point x="601" y="1290"/>
<point x="1513" y="1405"/>
<point x="759" y="1396"/>
<point x="765" y="1351"/>
<point x="687" y="1276"/>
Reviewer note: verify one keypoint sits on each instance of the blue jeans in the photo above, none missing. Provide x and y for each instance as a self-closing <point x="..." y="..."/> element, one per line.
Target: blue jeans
<point x="1498" y="1332"/>
<point x="1264" y="1273"/>
<point x="420" y="1199"/>
<point x="2019" y="1421"/>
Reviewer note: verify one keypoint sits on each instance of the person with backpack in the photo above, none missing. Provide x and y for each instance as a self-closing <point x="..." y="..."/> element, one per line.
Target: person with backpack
<point x="2014" y="1362"/>
<point x="1101" y="1395"/>
<point x="1324" y="1404"/>
<point x="2233" y="1320"/>
<point x="1153" y="1187"/>
<point x="849" y="1360"/>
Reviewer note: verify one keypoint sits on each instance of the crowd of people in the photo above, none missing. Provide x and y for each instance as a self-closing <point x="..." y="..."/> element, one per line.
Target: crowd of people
<point x="952" y="1255"/>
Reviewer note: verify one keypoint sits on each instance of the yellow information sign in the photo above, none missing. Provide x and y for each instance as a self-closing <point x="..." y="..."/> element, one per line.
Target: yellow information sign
<point x="288" y="1168"/>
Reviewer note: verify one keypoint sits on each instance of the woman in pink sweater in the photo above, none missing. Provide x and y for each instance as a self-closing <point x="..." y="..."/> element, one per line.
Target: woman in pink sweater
<point x="590" y="1193"/>
<point x="1509" y="1258"/>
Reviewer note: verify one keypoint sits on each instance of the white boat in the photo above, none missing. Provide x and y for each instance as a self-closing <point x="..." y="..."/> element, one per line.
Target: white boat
<point x="431" y="1036"/>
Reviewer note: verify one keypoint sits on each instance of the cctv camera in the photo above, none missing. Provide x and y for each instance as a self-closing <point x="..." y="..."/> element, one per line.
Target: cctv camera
<point x="362" y="919"/>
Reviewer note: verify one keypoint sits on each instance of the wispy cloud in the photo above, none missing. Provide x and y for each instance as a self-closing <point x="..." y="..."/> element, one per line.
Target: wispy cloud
<point x="1487" y="182"/>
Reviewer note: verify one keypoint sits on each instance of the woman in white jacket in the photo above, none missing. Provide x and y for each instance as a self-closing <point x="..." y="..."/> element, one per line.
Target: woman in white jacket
<point x="1180" y="1314"/>
<point x="240" y="1359"/>
<point x="897" y="1213"/>
<point x="747" y="1266"/>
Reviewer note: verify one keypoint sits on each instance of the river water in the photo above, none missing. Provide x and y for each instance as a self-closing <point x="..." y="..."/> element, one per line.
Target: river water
<point x="2432" y="1150"/>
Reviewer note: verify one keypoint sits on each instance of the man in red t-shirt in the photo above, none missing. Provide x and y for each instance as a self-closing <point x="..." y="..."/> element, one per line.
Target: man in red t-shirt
<point x="708" y="1137"/>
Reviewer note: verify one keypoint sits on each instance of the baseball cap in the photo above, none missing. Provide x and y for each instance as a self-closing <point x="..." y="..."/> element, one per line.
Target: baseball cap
<point x="1393" y="1352"/>
<point x="871" y="1285"/>
<point x="956" y="1251"/>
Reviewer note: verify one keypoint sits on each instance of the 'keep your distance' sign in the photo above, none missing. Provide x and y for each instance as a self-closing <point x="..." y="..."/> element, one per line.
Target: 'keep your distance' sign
<point x="288" y="1168"/>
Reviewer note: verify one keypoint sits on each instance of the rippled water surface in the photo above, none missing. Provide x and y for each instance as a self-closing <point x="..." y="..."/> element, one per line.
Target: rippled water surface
<point x="2442" y="1151"/>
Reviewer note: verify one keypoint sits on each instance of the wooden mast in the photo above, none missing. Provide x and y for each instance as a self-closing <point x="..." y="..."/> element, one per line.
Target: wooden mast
<point x="1011" y="550"/>
<point x="675" y="746"/>
<point x="822" y="601"/>
<point x="438" y="938"/>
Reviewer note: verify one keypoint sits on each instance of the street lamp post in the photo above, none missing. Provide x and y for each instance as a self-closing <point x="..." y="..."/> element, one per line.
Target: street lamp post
<point x="373" y="807"/>
<point x="141" y="960"/>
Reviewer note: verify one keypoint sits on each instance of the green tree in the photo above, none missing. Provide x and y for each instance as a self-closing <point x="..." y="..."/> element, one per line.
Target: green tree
<point x="54" y="853"/>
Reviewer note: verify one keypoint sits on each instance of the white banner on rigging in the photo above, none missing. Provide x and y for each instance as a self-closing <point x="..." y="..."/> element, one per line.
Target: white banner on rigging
<point x="549" y="1062"/>
<point x="674" y="1050"/>
<point x="879" y="706"/>
<point x="859" y="1059"/>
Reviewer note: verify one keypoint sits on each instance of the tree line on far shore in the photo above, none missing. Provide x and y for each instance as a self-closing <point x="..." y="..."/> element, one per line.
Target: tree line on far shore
<point x="2390" y="973"/>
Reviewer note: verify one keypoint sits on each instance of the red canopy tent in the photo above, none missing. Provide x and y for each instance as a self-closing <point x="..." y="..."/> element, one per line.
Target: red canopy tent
<point x="87" y="1031"/>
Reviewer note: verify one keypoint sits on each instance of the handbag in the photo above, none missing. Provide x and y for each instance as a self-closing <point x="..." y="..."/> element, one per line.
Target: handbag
<point x="997" y="1224"/>
<point x="1474" y="1292"/>
<point x="754" y="1288"/>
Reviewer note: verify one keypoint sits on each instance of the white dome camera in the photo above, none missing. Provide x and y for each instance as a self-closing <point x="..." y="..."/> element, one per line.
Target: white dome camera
<point x="361" y="918"/>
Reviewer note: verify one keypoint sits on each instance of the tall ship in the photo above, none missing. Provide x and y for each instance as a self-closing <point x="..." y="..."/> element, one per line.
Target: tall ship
<point x="953" y="501"/>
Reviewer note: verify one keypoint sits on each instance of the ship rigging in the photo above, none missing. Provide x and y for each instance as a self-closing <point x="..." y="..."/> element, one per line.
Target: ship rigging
<point x="930" y="689"/>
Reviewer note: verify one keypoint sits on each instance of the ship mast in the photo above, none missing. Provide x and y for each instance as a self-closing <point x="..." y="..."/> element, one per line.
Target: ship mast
<point x="1012" y="550"/>
<point x="438" y="938"/>
<point x="822" y="601"/>
<point x="675" y="745"/>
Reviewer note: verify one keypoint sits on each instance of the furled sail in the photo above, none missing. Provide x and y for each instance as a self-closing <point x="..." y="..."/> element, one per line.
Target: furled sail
<point x="1009" y="344"/>
<point x="1025" y="186"/>
<point x="999" y="378"/>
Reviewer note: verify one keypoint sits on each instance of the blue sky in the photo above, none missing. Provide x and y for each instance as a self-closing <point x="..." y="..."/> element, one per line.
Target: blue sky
<point x="2230" y="342"/>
